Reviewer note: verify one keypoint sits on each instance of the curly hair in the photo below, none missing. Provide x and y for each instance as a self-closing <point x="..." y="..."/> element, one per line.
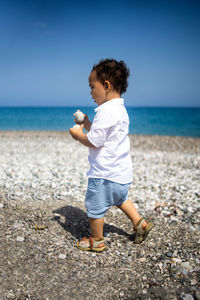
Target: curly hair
<point x="116" y="72"/>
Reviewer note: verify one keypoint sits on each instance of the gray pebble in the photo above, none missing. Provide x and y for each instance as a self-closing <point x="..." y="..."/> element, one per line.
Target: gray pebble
<point x="187" y="297"/>
<point x="197" y="294"/>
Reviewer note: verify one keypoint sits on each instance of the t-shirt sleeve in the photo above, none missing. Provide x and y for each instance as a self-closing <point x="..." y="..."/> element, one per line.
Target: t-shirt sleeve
<point x="99" y="128"/>
<point x="97" y="136"/>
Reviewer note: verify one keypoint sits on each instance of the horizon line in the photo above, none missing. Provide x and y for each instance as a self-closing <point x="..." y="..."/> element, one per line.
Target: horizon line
<point x="91" y="106"/>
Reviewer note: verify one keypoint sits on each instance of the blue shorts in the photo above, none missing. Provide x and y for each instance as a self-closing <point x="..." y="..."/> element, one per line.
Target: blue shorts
<point x="102" y="194"/>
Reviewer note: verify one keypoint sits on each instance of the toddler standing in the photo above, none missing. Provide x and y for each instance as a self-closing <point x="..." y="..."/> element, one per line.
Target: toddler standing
<point x="110" y="173"/>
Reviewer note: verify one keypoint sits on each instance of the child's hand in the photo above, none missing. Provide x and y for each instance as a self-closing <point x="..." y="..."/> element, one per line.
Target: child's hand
<point x="87" y="124"/>
<point x="78" y="134"/>
<point x="76" y="131"/>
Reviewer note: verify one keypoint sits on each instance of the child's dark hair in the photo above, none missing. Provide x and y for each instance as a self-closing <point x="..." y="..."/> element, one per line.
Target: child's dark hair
<point x="114" y="71"/>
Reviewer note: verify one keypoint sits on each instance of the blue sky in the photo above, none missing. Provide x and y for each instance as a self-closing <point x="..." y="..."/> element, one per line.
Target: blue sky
<point x="48" y="47"/>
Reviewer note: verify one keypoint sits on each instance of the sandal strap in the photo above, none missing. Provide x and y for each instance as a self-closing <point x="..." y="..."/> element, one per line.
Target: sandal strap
<point x="138" y="226"/>
<point x="140" y="222"/>
<point x="91" y="241"/>
<point x="96" y="244"/>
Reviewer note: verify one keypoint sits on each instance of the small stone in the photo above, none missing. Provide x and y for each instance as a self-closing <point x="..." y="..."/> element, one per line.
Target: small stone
<point x="144" y="291"/>
<point x="40" y="227"/>
<point x="64" y="193"/>
<point x="1" y="205"/>
<point x="18" y="225"/>
<point x="176" y="260"/>
<point x="53" y="185"/>
<point x="187" y="297"/>
<point x="106" y="234"/>
<point x="184" y="272"/>
<point x="193" y="282"/>
<point x="192" y="228"/>
<point x="142" y="259"/>
<point x="160" y="265"/>
<point x="62" y="256"/>
<point x="18" y="194"/>
<point x="121" y="294"/>
<point x="56" y="216"/>
<point x="186" y="266"/>
<point x="20" y="239"/>
<point x="197" y="294"/>
<point x="79" y="116"/>
<point x="169" y="254"/>
<point x="190" y="209"/>
<point x="144" y="277"/>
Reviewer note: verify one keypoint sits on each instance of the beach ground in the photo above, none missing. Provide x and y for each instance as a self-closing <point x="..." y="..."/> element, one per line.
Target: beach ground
<point x="42" y="215"/>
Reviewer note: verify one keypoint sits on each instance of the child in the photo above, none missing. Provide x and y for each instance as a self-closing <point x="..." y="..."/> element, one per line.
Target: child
<point x="110" y="173"/>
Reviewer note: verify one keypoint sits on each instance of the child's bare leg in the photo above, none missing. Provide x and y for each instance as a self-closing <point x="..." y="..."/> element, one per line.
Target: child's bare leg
<point x="129" y="209"/>
<point x="96" y="226"/>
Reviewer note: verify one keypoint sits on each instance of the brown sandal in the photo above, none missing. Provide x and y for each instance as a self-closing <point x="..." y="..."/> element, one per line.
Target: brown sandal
<point x="140" y="233"/>
<point x="89" y="244"/>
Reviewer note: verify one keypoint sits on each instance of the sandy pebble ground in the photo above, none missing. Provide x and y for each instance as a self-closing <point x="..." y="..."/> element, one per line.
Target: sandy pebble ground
<point x="42" y="214"/>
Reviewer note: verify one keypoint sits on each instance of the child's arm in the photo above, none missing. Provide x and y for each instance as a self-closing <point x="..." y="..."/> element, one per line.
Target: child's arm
<point x="80" y="136"/>
<point x="87" y="123"/>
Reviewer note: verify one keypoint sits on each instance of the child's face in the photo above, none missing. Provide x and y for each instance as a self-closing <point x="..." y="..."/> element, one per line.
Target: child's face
<point x="98" y="90"/>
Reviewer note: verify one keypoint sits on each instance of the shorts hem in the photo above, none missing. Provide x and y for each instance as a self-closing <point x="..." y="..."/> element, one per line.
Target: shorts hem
<point x="96" y="216"/>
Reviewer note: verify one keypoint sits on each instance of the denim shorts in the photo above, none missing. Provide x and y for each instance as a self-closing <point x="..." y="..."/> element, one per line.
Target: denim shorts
<point x="102" y="194"/>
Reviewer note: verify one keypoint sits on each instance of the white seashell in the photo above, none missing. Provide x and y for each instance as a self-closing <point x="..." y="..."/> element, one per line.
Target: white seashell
<point x="76" y="126"/>
<point x="79" y="116"/>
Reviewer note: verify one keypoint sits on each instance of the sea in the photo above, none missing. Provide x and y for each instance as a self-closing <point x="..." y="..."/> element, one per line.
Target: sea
<point x="167" y="121"/>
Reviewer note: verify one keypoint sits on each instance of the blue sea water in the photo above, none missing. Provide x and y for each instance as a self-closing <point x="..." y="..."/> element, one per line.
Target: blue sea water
<point x="143" y="120"/>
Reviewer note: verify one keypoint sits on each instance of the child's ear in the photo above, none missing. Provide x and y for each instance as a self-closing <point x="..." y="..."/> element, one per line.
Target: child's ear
<point x="107" y="85"/>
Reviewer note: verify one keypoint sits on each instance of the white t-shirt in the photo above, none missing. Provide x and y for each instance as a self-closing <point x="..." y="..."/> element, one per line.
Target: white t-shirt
<point x="109" y="134"/>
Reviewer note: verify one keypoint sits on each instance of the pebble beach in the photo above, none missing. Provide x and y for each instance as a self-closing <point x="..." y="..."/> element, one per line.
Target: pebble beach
<point x="42" y="215"/>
